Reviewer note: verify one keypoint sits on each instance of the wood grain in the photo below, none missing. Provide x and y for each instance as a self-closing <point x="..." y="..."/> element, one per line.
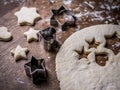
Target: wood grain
<point x="12" y="73"/>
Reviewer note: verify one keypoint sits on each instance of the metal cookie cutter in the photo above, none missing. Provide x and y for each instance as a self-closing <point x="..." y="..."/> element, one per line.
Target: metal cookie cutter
<point x="69" y="18"/>
<point x="49" y="39"/>
<point x="36" y="70"/>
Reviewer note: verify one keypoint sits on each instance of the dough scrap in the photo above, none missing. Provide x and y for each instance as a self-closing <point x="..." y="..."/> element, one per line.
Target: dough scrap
<point x="27" y="16"/>
<point x="32" y="35"/>
<point x="19" y="53"/>
<point x="85" y="73"/>
<point x="4" y="34"/>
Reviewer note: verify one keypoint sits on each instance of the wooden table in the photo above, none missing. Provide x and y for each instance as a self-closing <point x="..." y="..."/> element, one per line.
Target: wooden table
<point x="12" y="73"/>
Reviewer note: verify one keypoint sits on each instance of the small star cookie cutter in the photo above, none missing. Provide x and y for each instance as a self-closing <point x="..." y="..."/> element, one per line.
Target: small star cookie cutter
<point x="36" y="70"/>
<point x="49" y="39"/>
<point x="71" y="22"/>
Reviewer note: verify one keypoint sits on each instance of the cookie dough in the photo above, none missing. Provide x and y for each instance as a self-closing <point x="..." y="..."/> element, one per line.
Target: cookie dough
<point x="27" y="16"/>
<point x="32" y="35"/>
<point x="19" y="52"/>
<point x="85" y="73"/>
<point x="4" y="34"/>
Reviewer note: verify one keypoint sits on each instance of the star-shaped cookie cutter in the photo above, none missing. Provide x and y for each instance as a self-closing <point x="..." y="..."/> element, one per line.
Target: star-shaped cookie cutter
<point x="48" y="33"/>
<point x="36" y="70"/>
<point x="55" y="22"/>
<point x="49" y="39"/>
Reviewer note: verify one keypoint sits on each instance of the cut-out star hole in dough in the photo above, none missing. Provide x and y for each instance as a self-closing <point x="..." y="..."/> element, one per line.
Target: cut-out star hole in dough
<point x="32" y="35"/>
<point x="93" y="43"/>
<point x="19" y="53"/>
<point x="81" y="54"/>
<point x="4" y="34"/>
<point x="27" y="16"/>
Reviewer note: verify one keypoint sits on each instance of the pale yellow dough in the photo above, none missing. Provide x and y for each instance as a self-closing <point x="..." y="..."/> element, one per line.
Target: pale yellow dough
<point x="32" y="35"/>
<point x="4" y="34"/>
<point x="86" y="74"/>
<point x="19" y="52"/>
<point x="27" y="16"/>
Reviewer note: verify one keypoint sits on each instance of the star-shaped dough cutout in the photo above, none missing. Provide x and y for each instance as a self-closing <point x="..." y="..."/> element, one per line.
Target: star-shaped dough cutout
<point x="27" y="16"/>
<point x="31" y="34"/>
<point x="4" y="34"/>
<point x="19" y="53"/>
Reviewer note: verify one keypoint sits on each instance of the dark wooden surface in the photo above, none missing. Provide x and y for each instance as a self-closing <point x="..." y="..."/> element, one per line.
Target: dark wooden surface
<point x="12" y="73"/>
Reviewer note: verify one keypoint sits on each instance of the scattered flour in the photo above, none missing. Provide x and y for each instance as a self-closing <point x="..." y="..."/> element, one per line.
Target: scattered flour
<point x="48" y="57"/>
<point x="115" y="7"/>
<point x="90" y="4"/>
<point x="116" y="45"/>
<point x="68" y="18"/>
<point x="67" y="2"/>
<point x="52" y="1"/>
<point x="20" y="81"/>
<point x="82" y="14"/>
<point x="96" y="15"/>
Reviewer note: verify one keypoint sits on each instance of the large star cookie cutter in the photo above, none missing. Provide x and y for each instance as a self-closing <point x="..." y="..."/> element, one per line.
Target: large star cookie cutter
<point x="49" y="39"/>
<point x="69" y="18"/>
<point x="36" y="70"/>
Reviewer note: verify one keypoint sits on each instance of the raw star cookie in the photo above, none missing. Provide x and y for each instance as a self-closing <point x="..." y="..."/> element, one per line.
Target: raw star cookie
<point x="4" y="34"/>
<point x="27" y="16"/>
<point x="85" y="61"/>
<point x="19" y="53"/>
<point x="32" y="35"/>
